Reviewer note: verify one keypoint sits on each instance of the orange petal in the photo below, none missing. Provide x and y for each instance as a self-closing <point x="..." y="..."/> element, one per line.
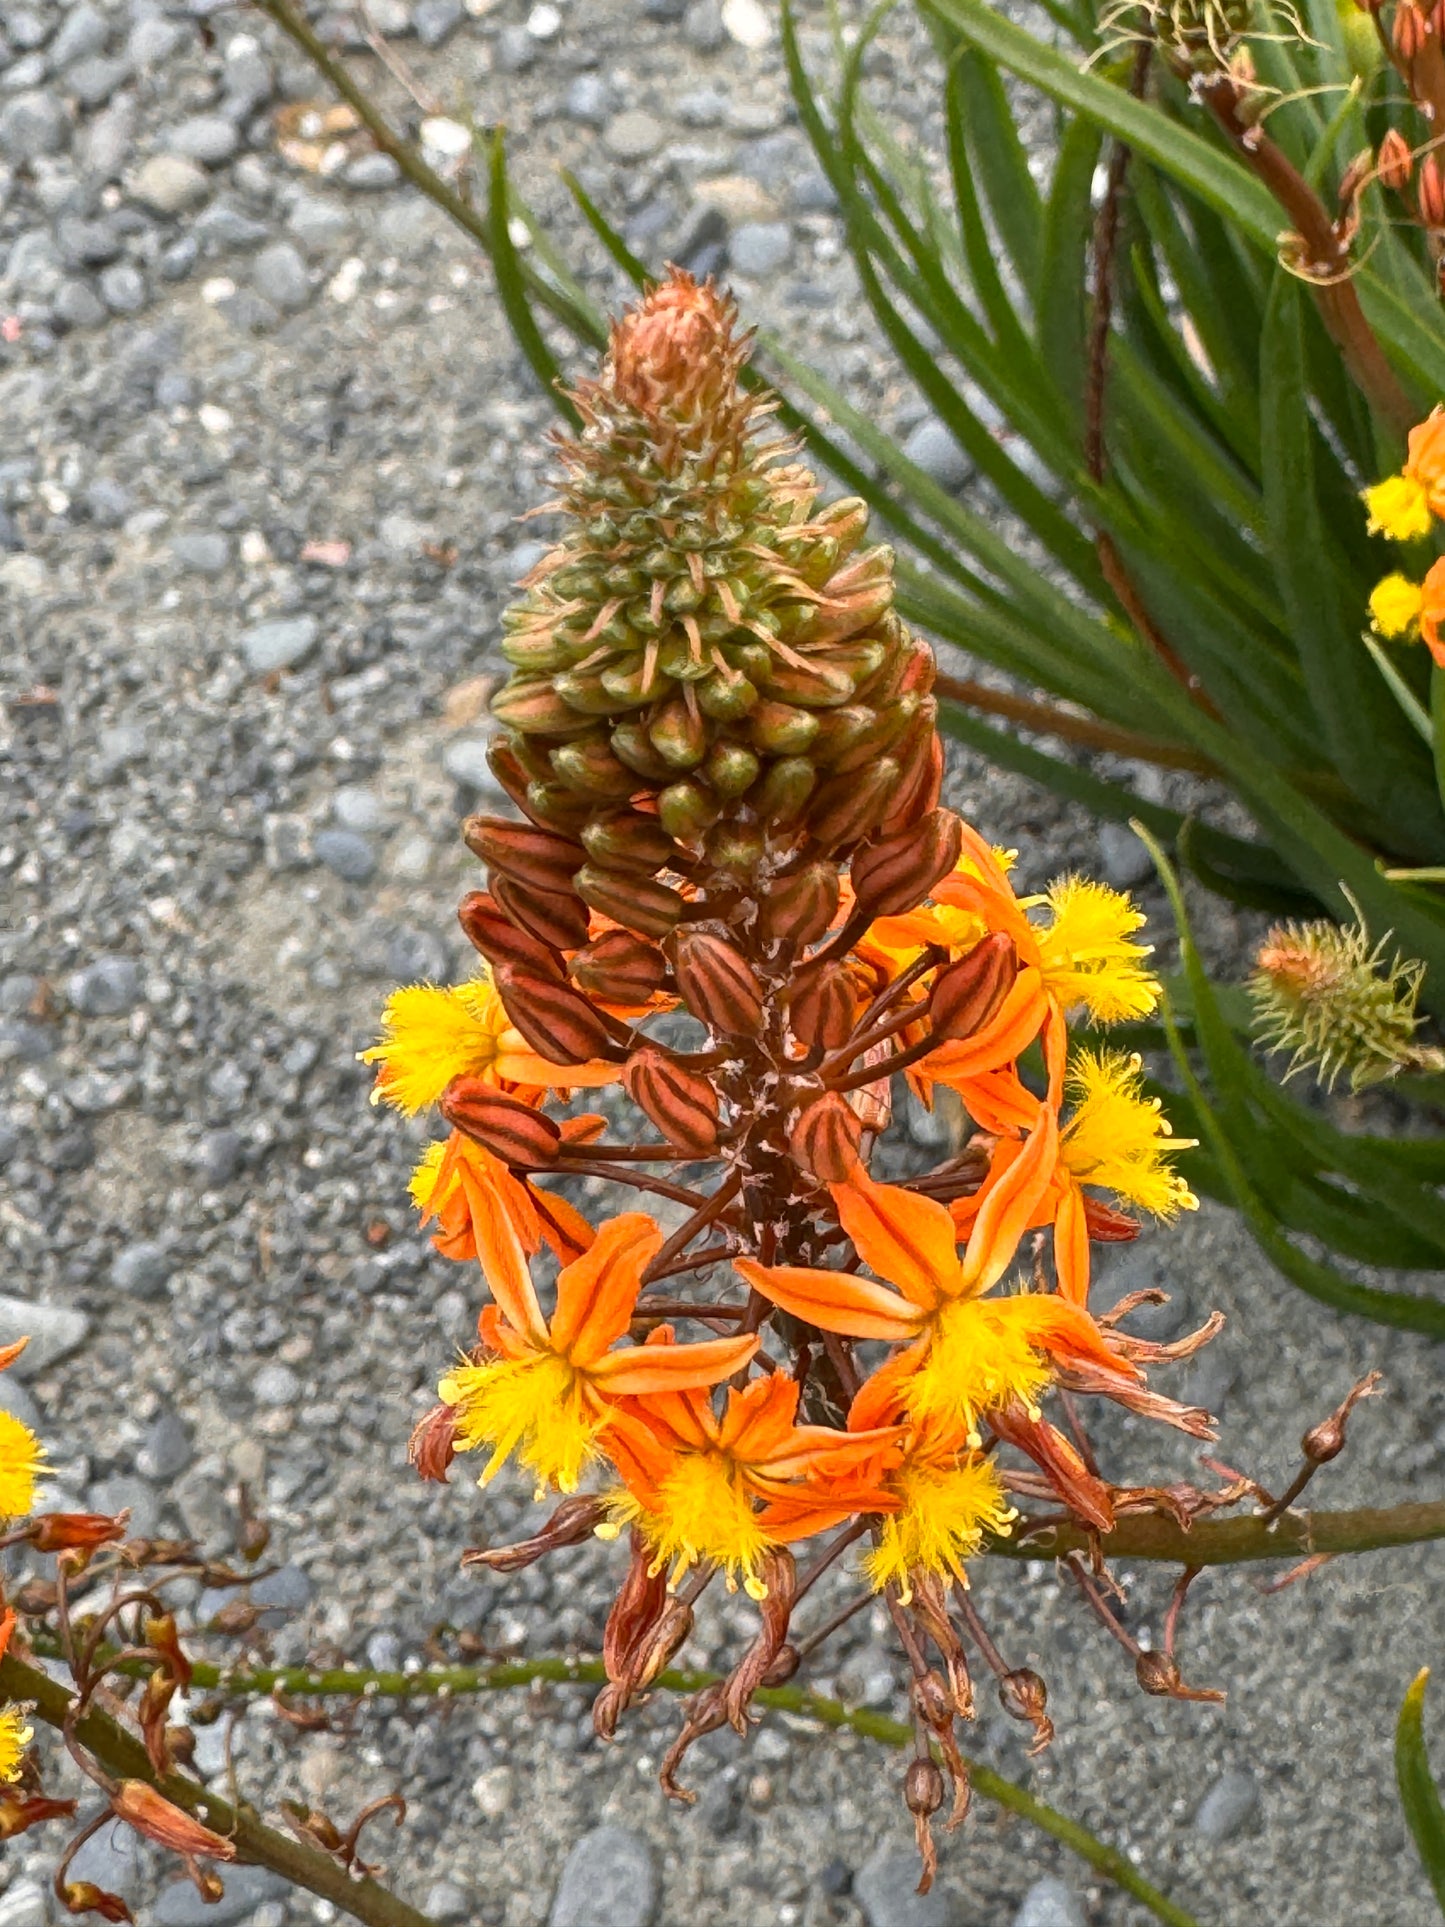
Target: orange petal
<point x="904" y="1238"/>
<point x="642" y="1371"/>
<point x="1071" y="1246"/>
<point x="758" y="1420"/>
<point x="9" y="1353"/>
<point x="503" y="1261"/>
<point x="834" y="1301"/>
<point x="516" y="1064"/>
<point x="596" y="1292"/>
<point x="561" y="1224"/>
<point x="1005" y="1037"/>
<point x="1005" y="1212"/>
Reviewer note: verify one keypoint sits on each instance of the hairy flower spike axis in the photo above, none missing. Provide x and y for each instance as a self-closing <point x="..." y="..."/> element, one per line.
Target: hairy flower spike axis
<point x="720" y="740"/>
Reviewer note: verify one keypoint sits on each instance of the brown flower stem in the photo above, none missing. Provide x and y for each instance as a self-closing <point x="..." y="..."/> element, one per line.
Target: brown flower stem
<point x="707" y="1212"/>
<point x="1049" y="720"/>
<point x="694" y="1261"/>
<point x="639" y="1181"/>
<point x="1327" y="253"/>
<point x="26" y="1682"/>
<point x="256" y="1844"/>
<point x="1237" y="1541"/>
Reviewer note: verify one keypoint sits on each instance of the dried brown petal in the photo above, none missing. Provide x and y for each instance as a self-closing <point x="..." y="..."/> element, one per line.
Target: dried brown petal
<point x="574" y="1521"/>
<point x="432" y="1445"/>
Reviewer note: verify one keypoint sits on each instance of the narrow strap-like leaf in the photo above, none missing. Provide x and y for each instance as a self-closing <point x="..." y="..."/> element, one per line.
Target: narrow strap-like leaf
<point x="1418" y="1793"/>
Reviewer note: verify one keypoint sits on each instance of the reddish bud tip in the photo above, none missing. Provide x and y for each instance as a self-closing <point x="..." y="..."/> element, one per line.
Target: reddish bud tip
<point x="1430" y="191"/>
<point x="536" y="857"/>
<point x="897" y="872"/>
<point x="494" y="935"/>
<point x="800" y="907"/>
<point x="823" y="1007"/>
<point x="620" y="968"/>
<point x="556" y="1020"/>
<point x="1395" y="162"/>
<point x="825" y="1140"/>
<point x="516" y="1133"/>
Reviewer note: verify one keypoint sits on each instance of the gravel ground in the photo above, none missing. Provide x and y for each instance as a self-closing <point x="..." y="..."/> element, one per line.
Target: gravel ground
<point x="265" y="444"/>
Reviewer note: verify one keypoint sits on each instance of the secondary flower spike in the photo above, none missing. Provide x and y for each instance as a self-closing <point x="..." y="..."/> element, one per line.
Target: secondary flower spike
<point x="733" y="910"/>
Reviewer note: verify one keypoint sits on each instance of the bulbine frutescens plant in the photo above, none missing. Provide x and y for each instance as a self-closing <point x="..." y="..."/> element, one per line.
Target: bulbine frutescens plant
<point x="1176" y="348"/>
<point x="730" y="893"/>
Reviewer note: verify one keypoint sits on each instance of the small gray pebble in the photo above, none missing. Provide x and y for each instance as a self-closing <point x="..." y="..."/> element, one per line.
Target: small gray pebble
<point x="222" y="226"/>
<point x="92" y="82"/>
<point x="465" y="760"/>
<point x="105" y="988"/>
<point x="32" y="125"/>
<point x="760" y="248"/>
<point x="169" y="184"/>
<point x="287" y="1590"/>
<point x="436" y="20"/>
<point x="83" y="30"/>
<point x="318" y="224"/>
<point x="202" y="554"/>
<point x="1124" y="859"/>
<point x="345" y="854"/>
<point x="123" y="289"/>
<point x="78" y="305"/>
<point x="276" y="1385"/>
<point x="516" y="50"/>
<point x="1050" y="1903"/>
<point x="153" y="40"/>
<point x="248" y="85"/>
<point x="935" y="451"/>
<point x="416" y="956"/>
<point x="208" y="139"/>
<point x="126" y="1493"/>
<point x="633" y="135"/>
<point x="609" y="1879"/>
<point x="1212" y="1377"/>
<point x="107" y="502"/>
<point x="54" y="1332"/>
<point x="1228" y="1807"/>
<point x="884" y="1888"/>
<point x="371" y="171"/>
<point x="447" y="1904"/>
<point x="247" y="1888"/>
<point x="87" y="244"/>
<point x="109" y="1859"/>
<point x="279" y="275"/>
<point x="167" y="1449"/>
<point x="280" y="644"/>
<point x="287" y="842"/>
<point x="175" y="389"/>
<point x="108" y="141"/>
<point x="23" y="1905"/>
<point x="142" y="1270"/>
<point x="178" y="259"/>
<point x="355" y="807"/>
<point x="590" y="100"/>
<point x="27" y="28"/>
<point x="15" y="1400"/>
<point x="219" y="1156"/>
<point x="702" y="27"/>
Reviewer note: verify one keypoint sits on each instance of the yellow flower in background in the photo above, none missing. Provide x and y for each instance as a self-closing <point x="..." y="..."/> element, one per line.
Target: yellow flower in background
<point x="22" y="1460"/>
<point x="1395" y="605"/>
<point x="1118" y="1139"/>
<point x="1086" y="953"/>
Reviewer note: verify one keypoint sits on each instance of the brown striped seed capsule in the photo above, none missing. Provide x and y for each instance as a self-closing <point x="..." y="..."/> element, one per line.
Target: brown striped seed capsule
<point x="921" y="780"/>
<point x="717" y="983"/>
<point x="1430" y="192"/>
<point x="1395" y="161"/>
<point x="516" y="1133"/>
<point x="556" y="1020"/>
<point x="897" y="872"/>
<point x="825" y="1140"/>
<point x="970" y="992"/>
<point x="800" y="907"/>
<point x="494" y="935"/>
<point x="846" y="808"/>
<point x="1409" y="32"/>
<point x="548" y="915"/>
<point x="620" y="968"/>
<point x="681" y="1103"/>
<point x="540" y="858"/>
<point x="638" y="903"/>
<point x="823" y="1006"/>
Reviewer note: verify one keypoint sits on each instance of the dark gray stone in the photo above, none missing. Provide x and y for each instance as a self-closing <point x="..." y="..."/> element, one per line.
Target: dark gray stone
<point x="280" y="644"/>
<point x="84" y="30"/>
<point x="123" y="288"/>
<point x="590" y="100"/>
<point x="287" y="1590"/>
<point x="142" y="1270"/>
<point x="92" y="82"/>
<point x="371" y="172"/>
<point x="1228" y="1807"/>
<point x="516" y="50"/>
<point x="345" y="854"/>
<point x="107" y="502"/>
<point x="436" y="20"/>
<point x="885" y="1888"/>
<point x="108" y="987"/>
<point x="153" y="40"/>
<point x="319" y="225"/>
<point x="447" y="1904"/>
<point x="633" y="135"/>
<point x="125" y="1493"/>
<point x="702" y="27"/>
<point x="202" y="554"/>
<point x="110" y="1859"/>
<point x="78" y="306"/>
<point x="87" y="244"/>
<point x="247" y="1888"/>
<point x="222" y="226"/>
<point x="416" y="956"/>
<point x="609" y="1880"/>
<point x="166" y="1450"/>
<point x="219" y="1156"/>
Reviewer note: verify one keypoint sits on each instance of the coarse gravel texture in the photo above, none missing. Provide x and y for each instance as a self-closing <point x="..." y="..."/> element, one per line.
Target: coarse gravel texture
<point x="265" y="444"/>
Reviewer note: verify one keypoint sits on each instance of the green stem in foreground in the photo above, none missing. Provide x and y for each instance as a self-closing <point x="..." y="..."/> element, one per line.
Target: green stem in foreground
<point x="447" y="1682"/>
<point x="258" y="1845"/>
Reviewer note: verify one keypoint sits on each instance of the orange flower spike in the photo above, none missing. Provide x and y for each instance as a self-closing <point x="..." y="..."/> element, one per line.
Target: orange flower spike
<point x="543" y="1392"/>
<point x="695" y="1482"/>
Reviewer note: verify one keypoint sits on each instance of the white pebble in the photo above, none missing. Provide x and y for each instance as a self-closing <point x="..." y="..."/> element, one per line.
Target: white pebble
<point x="446" y="137"/>
<point x="747" y="23"/>
<point x="347" y="279"/>
<point x="544" y="22"/>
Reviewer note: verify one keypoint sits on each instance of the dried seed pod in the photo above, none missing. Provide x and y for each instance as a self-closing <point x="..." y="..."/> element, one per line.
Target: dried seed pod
<point x="433" y="1444"/>
<point x="575" y="1520"/>
<point x="1024" y="1696"/>
<point x="536" y="857"/>
<point x="500" y="940"/>
<point x="717" y="984"/>
<point x="681" y="1103"/>
<point x="823" y="1006"/>
<point x="970" y="992"/>
<point x="554" y="919"/>
<point x="800" y="907"/>
<point x="638" y="903"/>
<point x="826" y="1138"/>
<point x="519" y="1134"/>
<point x="897" y="872"/>
<point x="556" y="1020"/>
<point x="620" y="968"/>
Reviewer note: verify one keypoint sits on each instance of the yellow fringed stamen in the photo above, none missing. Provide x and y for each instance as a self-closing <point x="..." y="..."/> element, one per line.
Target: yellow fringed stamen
<point x="1395" y="605"/>
<point x="432" y="1034"/>
<point x="941" y="1522"/>
<point x="1087" y="955"/>
<point x="534" y="1407"/>
<point x="705" y="1513"/>
<point x="15" y="1736"/>
<point x="982" y="1356"/>
<point x="1398" y="507"/>
<point x="1119" y="1139"/>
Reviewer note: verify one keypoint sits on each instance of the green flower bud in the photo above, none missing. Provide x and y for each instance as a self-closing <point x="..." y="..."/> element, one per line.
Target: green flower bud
<point x="686" y="809"/>
<point x="679" y="735"/>
<point x="780" y="729"/>
<point x="731" y="768"/>
<point x="591" y="767"/>
<point x="632" y="745"/>
<point x="786" y="786"/>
